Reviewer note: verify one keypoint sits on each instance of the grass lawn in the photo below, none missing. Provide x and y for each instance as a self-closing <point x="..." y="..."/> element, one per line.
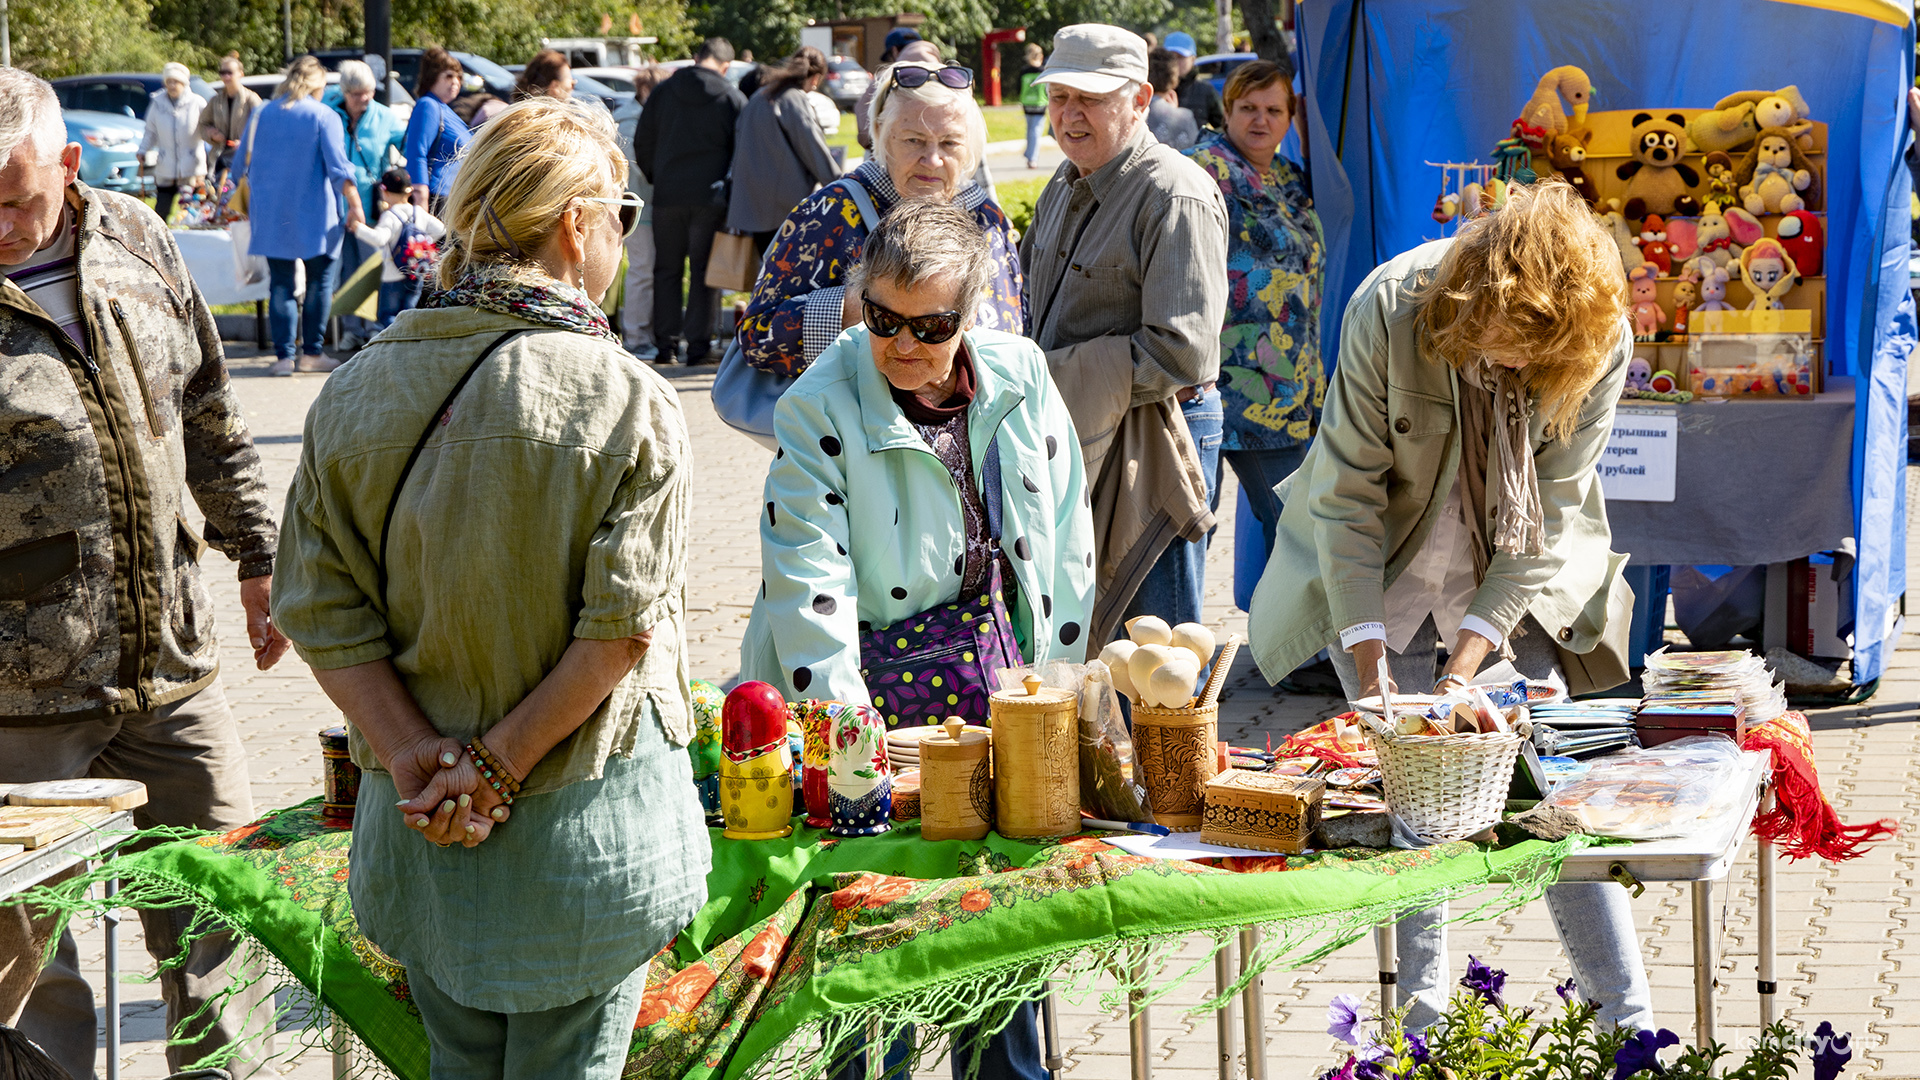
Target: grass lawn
<point x="1004" y="122"/>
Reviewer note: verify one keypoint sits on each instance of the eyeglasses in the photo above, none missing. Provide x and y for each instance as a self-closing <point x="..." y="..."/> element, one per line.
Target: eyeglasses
<point x="630" y="206"/>
<point x="927" y="329"/>
<point x="912" y="76"/>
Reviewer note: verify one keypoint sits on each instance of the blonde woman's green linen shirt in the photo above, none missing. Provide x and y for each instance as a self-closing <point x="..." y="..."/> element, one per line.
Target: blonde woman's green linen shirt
<point x="552" y="504"/>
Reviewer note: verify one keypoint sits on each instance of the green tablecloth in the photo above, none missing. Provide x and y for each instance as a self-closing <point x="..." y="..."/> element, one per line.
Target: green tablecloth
<point x="806" y="941"/>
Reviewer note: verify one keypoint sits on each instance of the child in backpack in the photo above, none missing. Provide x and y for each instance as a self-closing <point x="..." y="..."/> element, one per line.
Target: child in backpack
<point x="414" y="232"/>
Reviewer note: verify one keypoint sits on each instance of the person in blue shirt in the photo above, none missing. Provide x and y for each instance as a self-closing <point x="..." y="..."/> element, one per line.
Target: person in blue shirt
<point x="373" y="136"/>
<point x="435" y="133"/>
<point x="294" y="161"/>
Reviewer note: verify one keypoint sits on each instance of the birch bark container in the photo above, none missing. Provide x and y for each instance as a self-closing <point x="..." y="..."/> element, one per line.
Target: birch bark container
<point x="1036" y="761"/>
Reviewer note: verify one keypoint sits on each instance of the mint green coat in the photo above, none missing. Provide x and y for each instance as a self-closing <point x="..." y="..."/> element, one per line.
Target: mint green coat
<point x="863" y="525"/>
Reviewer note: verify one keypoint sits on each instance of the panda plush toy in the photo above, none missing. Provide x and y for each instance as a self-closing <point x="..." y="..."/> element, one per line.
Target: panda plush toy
<point x="1658" y="181"/>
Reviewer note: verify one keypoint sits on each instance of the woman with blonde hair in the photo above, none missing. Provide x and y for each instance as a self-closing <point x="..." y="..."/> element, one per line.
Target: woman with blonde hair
<point x="298" y="175"/>
<point x="484" y="561"/>
<point x="1450" y="496"/>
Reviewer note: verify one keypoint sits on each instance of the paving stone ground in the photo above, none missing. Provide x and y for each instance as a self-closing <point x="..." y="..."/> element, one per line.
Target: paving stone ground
<point x="1848" y="945"/>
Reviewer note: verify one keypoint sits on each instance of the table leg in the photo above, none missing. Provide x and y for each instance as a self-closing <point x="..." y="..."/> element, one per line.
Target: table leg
<point x="1223" y="1017"/>
<point x="1703" y="964"/>
<point x="337" y="1043"/>
<point x="1386" y="944"/>
<point x="1050" y="1029"/>
<point x="1253" y="1009"/>
<point x="1139" y="1027"/>
<point x="111" y="921"/>
<point x="1769" y="1005"/>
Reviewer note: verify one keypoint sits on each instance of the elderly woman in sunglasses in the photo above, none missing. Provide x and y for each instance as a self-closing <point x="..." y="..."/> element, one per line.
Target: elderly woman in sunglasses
<point x="927" y="477"/>
<point x="928" y="135"/>
<point x="484" y="561"/>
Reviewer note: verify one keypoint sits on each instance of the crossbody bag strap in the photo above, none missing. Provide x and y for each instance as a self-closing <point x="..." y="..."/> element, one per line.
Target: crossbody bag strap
<point x="862" y="201"/>
<point x="433" y="421"/>
<point x="990" y="486"/>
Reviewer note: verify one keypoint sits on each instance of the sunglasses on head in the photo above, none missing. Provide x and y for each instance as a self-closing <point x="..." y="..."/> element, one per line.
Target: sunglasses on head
<point x="629" y="205"/>
<point x="927" y="329"/>
<point x="912" y="76"/>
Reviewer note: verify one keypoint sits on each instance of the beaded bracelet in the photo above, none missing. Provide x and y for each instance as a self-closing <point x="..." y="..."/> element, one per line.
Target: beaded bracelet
<point x="495" y="774"/>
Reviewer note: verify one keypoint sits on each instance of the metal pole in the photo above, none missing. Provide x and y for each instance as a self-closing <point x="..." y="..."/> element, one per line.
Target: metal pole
<point x="1253" y="1010"/>
<point x="1223" y="30"/>
<point x="1386" y="945"/>
<point x="1139" y="1026"/>
<point x="1703" y="965"/>
<point x="1050" y="1027"/>
<point x="6" y="37"/>
<point x="1223" y="1018"/>
<point x="337" y="1043"/>
<point x="1769" y="1004"/>
<point x="286" y="19"/>
<point x="379" y="17"/>
<point x="112" y="926"/>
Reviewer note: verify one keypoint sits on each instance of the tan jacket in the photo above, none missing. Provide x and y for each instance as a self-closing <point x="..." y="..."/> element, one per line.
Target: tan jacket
<point x="102" y="609"/>
<point x="221" y="121"/>
<point x="1154" y="490"/>
<point x="1361" y="505"/>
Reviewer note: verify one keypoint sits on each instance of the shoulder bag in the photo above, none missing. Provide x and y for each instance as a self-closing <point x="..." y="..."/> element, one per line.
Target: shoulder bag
<point x="744" y="395"/>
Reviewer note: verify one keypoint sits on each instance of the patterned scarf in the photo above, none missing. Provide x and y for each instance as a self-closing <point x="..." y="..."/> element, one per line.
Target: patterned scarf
<point x="528" y="293"/>
<point x="1520" y="525"/>
<point x="1802" y="821"/>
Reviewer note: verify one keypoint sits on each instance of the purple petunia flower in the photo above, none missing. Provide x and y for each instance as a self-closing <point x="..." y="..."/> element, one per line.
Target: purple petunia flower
<point x="1832" y="1052"/>
<point x="1369" y="1070"/>
<point x="1641" y="1052"/>
<point x="1417" y="1048"/>
<point x="1567" y="991"/>
<point x="1344" y="1019"/>
<point x="1484" y="981"/>
<point x="1344" y="1072"/>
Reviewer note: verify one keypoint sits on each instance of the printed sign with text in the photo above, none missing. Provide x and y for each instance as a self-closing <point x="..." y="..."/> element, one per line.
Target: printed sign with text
<point x="1639" y="462"/>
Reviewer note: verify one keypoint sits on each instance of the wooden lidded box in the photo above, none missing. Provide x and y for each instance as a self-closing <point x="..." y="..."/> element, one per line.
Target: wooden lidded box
<point x="1263" y="811"/>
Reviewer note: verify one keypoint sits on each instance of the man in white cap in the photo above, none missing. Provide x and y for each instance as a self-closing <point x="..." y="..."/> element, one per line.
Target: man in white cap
<point x="1126" y="279"/>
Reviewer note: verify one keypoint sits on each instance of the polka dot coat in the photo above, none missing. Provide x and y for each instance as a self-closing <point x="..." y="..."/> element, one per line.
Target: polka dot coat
<point x="861" y="525"/>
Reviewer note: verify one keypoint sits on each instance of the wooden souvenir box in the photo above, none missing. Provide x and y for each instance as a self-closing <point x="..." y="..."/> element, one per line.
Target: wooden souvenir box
<point x="1264" y="811"/>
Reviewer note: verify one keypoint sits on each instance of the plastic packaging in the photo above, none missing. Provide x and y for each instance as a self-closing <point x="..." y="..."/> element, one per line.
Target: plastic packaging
<point x="1645" y="794"/>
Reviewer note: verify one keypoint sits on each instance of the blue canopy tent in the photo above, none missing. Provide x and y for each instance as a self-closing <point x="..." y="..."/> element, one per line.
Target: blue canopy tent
<point x="1394" y="84"/>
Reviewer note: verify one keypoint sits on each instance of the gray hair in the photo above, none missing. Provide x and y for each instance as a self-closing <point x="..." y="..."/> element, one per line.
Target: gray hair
<point x="355" y="75"/>
<point x="924" y="240"/>
<point x="30" y="112"/>
<point x="931" y="92"/>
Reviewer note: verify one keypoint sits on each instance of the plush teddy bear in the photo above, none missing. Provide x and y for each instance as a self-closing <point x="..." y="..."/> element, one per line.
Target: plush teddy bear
<point x="1653" y="244"/>
<point x="1806" y="240"/>
<point x="1738" y="119"/>
<point x="1721" y="235"/>
<point x="1658" y="181"/>
<point x="1647" y="312"/>
<point x="1713" y="290"/>
<point x="1720" y="182"/>
<point x="1544" y="110"/>
<point x="1566" y="151"/>
<point x="1616" y="225"/>
<point x="1775" y="177"/>
<point x="1770" y="273"/>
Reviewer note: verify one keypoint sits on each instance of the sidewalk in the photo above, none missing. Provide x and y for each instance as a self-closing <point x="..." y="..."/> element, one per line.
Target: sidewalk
<point x="1854" y="959"/>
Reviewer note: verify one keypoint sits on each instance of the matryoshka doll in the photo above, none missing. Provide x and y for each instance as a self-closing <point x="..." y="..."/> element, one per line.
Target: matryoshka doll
<point x="756" y="764"/>
<point x="705" y="747"/>
<point x="813" y="721"/>
<point x="859" y="778"/>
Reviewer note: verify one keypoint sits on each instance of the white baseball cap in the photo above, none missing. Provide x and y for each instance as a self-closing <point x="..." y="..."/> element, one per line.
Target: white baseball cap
<point x="1095" y="58"/>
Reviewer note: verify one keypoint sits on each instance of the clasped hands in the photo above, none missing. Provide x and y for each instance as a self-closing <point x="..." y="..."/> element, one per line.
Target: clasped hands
<point x="443" y="795"/>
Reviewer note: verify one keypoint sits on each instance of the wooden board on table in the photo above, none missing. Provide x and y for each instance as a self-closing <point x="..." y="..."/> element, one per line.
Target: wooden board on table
<point x="38" y="826"/>
<point x="8" y="851"/>
<point x="110" y="793"/>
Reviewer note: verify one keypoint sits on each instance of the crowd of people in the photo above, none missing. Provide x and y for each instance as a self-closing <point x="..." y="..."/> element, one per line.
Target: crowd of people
<point x="977" y="431"/>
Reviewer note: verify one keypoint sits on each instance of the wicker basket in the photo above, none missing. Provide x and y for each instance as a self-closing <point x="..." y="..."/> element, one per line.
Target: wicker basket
<point x="1445" y="787"/>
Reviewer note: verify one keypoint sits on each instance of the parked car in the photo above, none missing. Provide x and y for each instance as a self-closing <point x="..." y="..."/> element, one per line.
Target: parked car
<point x="109" y="149"/>
<point x="398" y="99"/>
<point x="588" y="89"/>
<point x="122" y="93"/>
<point x="620" y="79"/>
<point x="482" y="73"/>
<point x="846" y="80"/>
<point x="1215" y="67"/>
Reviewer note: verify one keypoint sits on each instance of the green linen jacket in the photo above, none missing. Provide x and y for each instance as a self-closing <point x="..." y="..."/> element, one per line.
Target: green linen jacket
<point x="552" y="504"/>
<point x="1362" y="503"/>
<point x="102" y="606"/>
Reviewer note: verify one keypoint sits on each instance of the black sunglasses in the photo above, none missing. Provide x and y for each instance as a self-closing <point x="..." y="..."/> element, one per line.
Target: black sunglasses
<point x="912" y="76"/>
<point x="927" y="329"/>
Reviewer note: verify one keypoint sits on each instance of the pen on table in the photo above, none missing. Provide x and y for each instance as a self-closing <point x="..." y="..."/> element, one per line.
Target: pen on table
<point x="1147" y="827"/>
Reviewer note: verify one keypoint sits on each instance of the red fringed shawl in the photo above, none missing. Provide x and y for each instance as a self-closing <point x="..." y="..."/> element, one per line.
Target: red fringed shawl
<point x="1802" y="821"/>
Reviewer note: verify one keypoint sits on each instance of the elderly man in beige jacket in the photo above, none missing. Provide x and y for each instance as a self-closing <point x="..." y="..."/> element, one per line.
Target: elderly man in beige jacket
<point x="1126" y="284"/>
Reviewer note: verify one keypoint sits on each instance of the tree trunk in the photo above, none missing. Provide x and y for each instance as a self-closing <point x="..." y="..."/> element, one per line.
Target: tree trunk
<point x="1264" y="28"/>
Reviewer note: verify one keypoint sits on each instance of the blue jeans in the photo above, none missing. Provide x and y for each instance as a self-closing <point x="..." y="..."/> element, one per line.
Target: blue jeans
<point x="1594" y="919"/>
<point x="1034" y="121"/>
<point x="396" y="297"/>
<point x="283" y="310"/>
<point x="1172" y="588"/>
<point x="1013" y="1054"/>
<point x="1259" y="471"/>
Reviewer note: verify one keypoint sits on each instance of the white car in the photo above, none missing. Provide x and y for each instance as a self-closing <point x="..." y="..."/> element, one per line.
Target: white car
<point x="398" y="99"/>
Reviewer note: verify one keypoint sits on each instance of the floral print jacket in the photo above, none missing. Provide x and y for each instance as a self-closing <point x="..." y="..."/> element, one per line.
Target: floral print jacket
<point x="1272" y="380"/>
<point x="795" y="311"/>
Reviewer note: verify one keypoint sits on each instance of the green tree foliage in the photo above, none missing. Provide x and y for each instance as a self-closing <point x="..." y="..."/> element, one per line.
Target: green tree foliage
<point x="73" y="37"/>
